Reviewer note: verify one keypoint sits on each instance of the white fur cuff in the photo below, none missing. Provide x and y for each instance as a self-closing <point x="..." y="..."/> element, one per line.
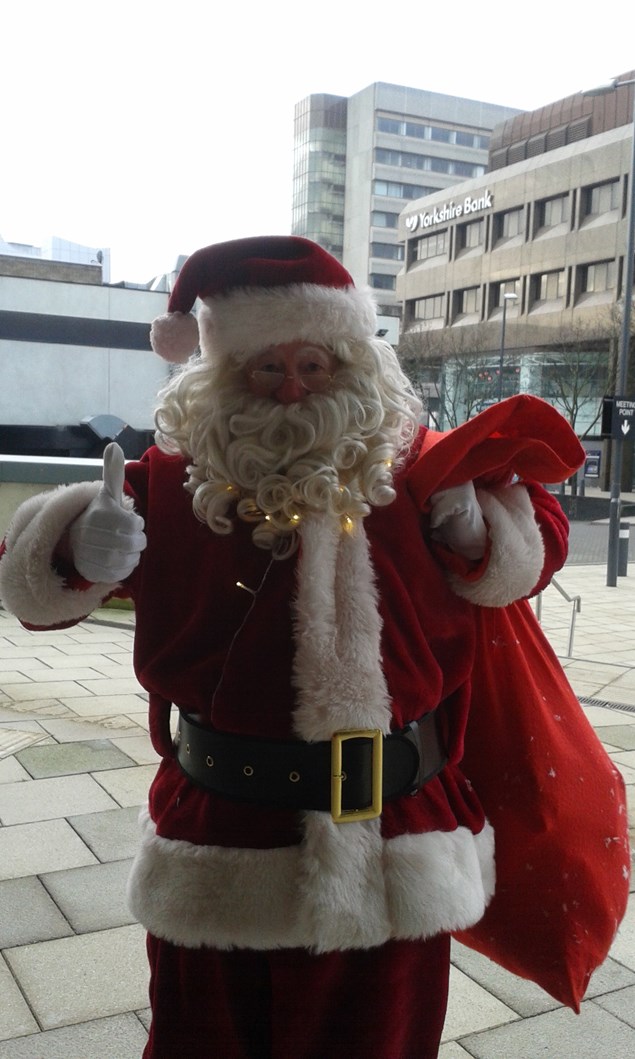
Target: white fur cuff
<point x="29" y="586"/>
<point x="412" y="886"/>
<point x="517" y="550"/>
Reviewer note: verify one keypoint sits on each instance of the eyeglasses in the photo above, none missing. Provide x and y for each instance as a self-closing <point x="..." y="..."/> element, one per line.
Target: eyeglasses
<point x="267" y="382"/>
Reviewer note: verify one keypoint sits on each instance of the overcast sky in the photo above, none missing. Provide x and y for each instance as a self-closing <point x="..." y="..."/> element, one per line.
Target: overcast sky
<point x="154" y="128"/>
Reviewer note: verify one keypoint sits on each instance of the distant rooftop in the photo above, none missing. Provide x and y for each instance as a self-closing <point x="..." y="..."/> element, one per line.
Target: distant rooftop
<point x="56" y="249"/>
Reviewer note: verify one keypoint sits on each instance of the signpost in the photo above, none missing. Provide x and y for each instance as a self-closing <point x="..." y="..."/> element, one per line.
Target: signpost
<point x="623" y="418"/>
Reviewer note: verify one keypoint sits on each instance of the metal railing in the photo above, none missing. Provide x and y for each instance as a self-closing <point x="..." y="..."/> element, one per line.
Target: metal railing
<point x="576" y="602"/>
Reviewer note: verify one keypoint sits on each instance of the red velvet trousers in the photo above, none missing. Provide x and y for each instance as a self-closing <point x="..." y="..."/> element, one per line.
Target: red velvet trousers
<point x="383" y="1003"/>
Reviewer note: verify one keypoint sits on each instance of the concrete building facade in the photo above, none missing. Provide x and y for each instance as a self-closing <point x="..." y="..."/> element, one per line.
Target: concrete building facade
<point x="75" y="351"/>
<point x="358" y="160"/>
<point x="540" y="241"/>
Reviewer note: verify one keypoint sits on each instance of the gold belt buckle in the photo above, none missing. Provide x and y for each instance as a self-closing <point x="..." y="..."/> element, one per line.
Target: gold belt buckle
<point x="370" y="812"/>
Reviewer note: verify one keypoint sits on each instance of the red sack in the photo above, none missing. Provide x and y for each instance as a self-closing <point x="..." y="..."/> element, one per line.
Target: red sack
<point x="558" y="807"/>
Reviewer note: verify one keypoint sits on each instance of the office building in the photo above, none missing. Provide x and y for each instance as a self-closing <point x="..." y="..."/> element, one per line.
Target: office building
<point x="524" y="266"/>
<point x="359" y="160"/>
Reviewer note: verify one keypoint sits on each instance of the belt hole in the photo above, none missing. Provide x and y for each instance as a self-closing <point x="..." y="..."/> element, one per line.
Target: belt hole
<point x="209" y="761"/>
<point x="248" y="771"/>
<point x="294" y="776"/>
<point x="187" y="748"/>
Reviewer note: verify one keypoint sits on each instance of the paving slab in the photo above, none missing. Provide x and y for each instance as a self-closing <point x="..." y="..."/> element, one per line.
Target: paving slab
<point x="15" y="1016"/>
<point x="11" y="771"/>
<point x="28" y="914"/>
<point x="74" y="729"/>
<point x="92" y="898"/>
<point x="52" y="798"/>
<point x="103" y="705"/>
<point x="523" y="997"/>
<point x="81" y="978"/>
<point x="556" y="1034"/>
<point x="65" y="759"/>
<point x="621" y="1004"/>
<point x="472" y="1008"/>
<point x="128" y="786"/>
<point x="120" y="685"/>
<point x="54" y="689"/>
<point x="118" y="1037"/>
<point x="623" y="948"/>
<point x="139" y="748"/>
<point x="451" y="1050"/>
<point x="111" y="835"/>
<point x="29" y="849"/>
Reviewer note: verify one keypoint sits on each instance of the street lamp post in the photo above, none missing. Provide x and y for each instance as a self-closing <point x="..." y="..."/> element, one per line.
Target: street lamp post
<point x="621" y="375"/>
<point x="501" y="360"/>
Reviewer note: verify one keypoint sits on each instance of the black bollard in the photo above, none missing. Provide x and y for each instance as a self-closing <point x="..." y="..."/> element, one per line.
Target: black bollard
<point x="622" y="550"/>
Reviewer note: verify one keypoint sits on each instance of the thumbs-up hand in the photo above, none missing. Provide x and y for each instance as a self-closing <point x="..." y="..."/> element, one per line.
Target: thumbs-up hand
<point x="107" y="539"/>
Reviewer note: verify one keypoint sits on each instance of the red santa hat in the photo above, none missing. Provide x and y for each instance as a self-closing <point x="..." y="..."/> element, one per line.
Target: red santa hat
<point x="257" y="293"/>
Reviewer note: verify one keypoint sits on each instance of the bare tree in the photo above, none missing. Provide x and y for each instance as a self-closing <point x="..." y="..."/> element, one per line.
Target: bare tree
<point x="458" y="364"/>
<point x="578" y="370"/>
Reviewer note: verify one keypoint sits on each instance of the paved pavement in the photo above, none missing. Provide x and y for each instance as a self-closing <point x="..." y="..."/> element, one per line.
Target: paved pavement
<point x="75" y="765"/>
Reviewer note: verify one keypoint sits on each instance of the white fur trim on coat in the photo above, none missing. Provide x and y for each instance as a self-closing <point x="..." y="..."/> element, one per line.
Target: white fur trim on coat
<point x="422" y="885"/>
<point x="517" y="550"/>
<point x="246" y="322"/>
<point x="29" y="585"/>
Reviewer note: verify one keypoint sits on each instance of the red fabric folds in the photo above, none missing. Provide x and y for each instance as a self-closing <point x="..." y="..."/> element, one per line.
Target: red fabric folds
<point x="523" y="435"/>
<point x="558" y="807"/>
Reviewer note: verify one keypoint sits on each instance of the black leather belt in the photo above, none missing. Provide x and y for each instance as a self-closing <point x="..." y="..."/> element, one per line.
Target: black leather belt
<point x="351" y="775"/>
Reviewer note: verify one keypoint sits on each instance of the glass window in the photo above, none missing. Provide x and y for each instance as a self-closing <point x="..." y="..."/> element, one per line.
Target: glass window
<point x="509" y="224"/>
<point x="470" y="235"/>
<point x="381" y="219"/>
<point x="602" y="198"/>
<point x="416" y="129"/>
<point x="550" y="286"/>
<point x="430" y="246"/>
<point x="393" y="189"/>
<point x="598" y="277"/>
<point x="381" y="282"/>
<point x="392" y="251"/>
<point x="441" y="135"/>
<point x="465" y="139"/>
<point x="389" y="125"/>
<point x="430" y="308"/>
<point x="553" y="211"/>
<point x="469" y="300"/>
<point x="508" y="286"/>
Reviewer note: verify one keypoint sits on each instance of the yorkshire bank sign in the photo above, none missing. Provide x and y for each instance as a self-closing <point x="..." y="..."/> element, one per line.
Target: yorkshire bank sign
<point x="449" y="212"/>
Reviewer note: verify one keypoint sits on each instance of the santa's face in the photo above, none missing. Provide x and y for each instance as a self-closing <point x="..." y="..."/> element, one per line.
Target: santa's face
<point x="288" y="373"/>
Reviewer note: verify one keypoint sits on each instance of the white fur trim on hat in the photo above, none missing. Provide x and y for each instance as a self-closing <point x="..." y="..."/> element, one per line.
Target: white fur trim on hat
<point x="246" y="322"/>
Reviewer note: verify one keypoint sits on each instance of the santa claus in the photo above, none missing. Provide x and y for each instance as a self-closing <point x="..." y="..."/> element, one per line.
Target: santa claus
<point x="307" y="607"/>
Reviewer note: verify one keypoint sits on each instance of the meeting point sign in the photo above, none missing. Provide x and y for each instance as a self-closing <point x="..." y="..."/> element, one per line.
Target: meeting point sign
<point x="450" y="211"/>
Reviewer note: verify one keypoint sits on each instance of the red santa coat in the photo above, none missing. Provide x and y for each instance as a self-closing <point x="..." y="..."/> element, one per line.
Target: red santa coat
<point x="219" y="873"/>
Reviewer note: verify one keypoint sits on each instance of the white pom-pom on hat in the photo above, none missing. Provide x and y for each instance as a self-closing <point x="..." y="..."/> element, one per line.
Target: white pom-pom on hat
<point x="174" y="336"/>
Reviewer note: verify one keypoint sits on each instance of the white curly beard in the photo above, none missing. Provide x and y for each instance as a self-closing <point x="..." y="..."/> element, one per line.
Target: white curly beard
<point x="270" y="463"/>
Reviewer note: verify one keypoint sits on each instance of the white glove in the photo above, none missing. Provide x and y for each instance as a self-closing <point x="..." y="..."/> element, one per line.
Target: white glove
<point x="107" y="539"/>
<point x="456" y="519"/>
